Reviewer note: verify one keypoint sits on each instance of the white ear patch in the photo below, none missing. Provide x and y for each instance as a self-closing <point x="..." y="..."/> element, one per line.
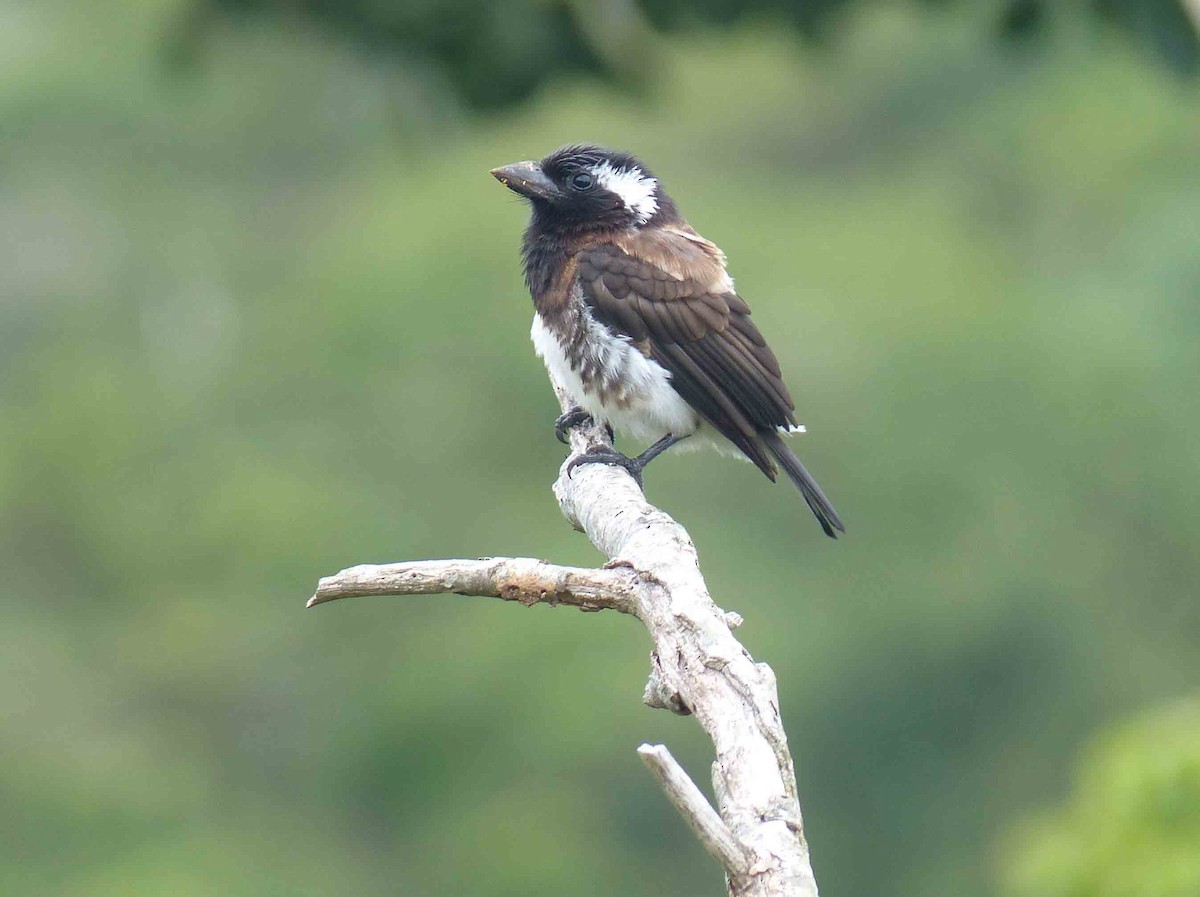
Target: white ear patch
<point x="633" y="186"/>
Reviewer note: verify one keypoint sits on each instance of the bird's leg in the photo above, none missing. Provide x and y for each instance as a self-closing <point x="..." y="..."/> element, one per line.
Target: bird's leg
<point x="613" y="458"/>
<point x="574" y="418"/>
<point x="657" y="449"/>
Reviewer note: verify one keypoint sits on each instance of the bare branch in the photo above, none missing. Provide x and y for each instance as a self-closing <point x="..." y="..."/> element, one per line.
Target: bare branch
<point x="703" y="820"/>
<point x="697" y="666"/>
<point x="525" y="580"/>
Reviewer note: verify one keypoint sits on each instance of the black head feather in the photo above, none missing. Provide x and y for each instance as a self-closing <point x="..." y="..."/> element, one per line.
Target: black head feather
<point x="600" y="189"/>
<point x="579" y="191"/>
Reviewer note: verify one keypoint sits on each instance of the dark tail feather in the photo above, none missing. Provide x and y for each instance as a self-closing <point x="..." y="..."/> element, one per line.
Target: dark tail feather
<point x="808" y="487"/>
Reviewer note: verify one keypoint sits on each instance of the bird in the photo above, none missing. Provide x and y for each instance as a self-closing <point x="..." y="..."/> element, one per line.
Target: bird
<point x="638" y="319"/>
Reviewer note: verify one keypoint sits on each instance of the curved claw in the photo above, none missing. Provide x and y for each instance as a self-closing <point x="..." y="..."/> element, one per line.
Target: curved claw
<point x="577" y="417"/>
<point x="573" y="418"/>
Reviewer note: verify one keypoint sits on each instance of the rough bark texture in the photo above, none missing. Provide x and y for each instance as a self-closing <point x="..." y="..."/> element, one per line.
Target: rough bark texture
<point x="525" y="580"/>
<point x="697" y="666"/>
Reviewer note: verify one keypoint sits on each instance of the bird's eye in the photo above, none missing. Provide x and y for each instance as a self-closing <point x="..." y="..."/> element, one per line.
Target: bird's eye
<point x="582" y="181"/>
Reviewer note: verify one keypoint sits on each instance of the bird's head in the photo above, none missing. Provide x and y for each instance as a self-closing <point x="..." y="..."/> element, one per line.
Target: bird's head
<point x="588" y="187"/>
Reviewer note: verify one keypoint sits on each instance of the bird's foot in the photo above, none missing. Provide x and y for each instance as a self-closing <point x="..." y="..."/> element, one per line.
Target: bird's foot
<point x="576" y="417"/>
<point x="602" y="454"/>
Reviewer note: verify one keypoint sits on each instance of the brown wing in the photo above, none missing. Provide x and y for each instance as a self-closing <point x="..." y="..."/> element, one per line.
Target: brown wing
<point x="667" y="290"/>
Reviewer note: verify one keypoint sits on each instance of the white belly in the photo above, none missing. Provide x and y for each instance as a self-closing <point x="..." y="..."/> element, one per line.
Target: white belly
<point x="644" y="405"/>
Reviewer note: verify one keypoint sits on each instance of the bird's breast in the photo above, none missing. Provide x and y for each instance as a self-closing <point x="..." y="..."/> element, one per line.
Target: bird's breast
<point x="610" y="377"/>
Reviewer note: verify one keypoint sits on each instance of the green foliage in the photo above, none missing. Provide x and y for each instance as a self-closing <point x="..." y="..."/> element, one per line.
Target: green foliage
<point x="492" y="54"/>
<point x="1162" y="27"/>
<point x="489" y="53"/>
<point x="260" y="324"/>
<point x="1131" y="825"/>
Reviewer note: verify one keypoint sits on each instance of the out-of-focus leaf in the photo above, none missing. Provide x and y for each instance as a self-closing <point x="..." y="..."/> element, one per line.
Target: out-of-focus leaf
<point x="1161" y="26"/>
<point x="1131" y="824"/>
<point x="492" y="54"/>
<point x="1021" y="19"/>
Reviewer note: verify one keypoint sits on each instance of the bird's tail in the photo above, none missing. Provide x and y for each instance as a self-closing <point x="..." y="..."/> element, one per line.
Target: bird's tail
<point x="821" y="508"/>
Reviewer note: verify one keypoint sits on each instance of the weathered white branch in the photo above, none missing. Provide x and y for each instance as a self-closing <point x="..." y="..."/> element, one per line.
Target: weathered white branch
<point x="697" y="666"/>
<point x="691" y="803"/>
<point x="525" y="580"/>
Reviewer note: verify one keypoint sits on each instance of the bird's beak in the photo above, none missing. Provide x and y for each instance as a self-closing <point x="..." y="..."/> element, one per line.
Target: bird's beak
<point x="528" y="179"/>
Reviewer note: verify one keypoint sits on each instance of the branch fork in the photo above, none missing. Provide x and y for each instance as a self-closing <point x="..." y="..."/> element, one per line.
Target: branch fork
<point x="697" y="666"/>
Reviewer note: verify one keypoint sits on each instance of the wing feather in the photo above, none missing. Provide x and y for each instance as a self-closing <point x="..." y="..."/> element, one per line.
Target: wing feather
<point x="667" y="290"/>
<point x="711" y="318"/>
<point x="693" y="323"/>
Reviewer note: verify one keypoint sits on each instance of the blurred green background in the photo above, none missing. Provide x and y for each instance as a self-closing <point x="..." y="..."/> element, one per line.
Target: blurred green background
<point x="261" y="317"/>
